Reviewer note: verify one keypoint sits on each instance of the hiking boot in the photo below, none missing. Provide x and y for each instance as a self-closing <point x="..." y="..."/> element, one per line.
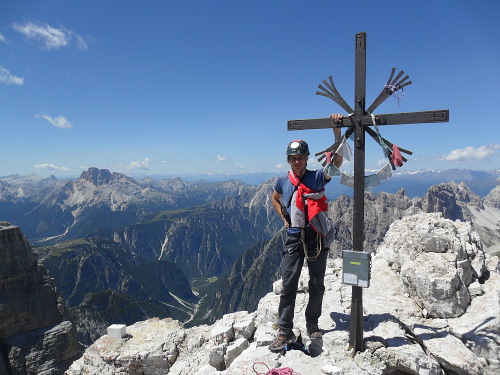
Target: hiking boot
<point x="281" y="339"/>
<point x="313" y="331"/>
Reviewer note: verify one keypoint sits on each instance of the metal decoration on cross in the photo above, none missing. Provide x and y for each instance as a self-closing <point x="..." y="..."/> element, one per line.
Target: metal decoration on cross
<point x="358" y="123"/>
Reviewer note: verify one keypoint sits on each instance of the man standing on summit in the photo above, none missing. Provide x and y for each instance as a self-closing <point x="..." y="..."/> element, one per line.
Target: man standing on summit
<point x="302" y="191"/>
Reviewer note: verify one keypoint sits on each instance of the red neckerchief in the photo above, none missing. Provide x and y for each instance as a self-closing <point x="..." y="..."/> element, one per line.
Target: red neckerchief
<point x="314" y="206"/>
<point x="293" y="178"/>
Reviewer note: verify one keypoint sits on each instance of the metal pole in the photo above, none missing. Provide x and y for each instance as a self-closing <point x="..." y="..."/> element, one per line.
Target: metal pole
<point x="356" y="324"/>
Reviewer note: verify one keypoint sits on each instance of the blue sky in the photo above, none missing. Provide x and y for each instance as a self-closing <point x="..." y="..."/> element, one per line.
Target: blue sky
<point x="176" y="87"/>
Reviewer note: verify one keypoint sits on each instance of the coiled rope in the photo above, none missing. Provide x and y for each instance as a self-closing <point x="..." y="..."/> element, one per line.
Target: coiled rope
<point x="275" y="371"/>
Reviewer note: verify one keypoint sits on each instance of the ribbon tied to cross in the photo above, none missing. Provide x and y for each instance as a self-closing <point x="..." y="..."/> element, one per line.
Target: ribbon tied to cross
<point x="391" y="151"/>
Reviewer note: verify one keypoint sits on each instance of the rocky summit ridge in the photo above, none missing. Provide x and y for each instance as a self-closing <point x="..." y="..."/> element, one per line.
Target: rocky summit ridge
<point x="433" y="307"/>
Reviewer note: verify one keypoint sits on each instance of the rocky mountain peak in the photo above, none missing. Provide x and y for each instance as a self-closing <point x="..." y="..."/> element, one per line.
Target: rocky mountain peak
<point x="50" y="178"/>
<point x="175" y="183"/>
<point x="493" y="198"/>
<point x="96" y="176"/>
<point x="401" y="192"/>
<point x="102" y="177"/>
<point x="452" y="199"/>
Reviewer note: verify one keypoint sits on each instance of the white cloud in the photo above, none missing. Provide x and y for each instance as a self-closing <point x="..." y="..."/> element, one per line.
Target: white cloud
<point x="280" y="165"/>
<point x="220" y="159"/>
<point x="60" y="121"/>
<point x="52" y="167"/>
<point x="241" y="166"/>
<point x="2" y="39"/>
<point x="8" y="78"/>
<point x="50" y="37"/>
<point x="471" y="153"/>
<point x="144" y="164"/>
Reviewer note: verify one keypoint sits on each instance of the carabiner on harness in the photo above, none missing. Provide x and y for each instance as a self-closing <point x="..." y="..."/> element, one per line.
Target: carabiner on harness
<point x="319" y="245"/>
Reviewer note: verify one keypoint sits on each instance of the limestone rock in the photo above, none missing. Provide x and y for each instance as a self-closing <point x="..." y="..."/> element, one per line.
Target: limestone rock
<point x="36" y="336"/>
<point x="437" y="259"/>
<point x="151" y="347"/>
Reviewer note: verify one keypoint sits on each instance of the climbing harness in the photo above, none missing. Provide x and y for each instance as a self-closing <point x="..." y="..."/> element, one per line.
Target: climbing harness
<point x="319" y="247"/>
<point x="275" y="371"/>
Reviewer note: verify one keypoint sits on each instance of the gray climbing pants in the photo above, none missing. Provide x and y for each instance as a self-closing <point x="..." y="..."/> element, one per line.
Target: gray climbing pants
<point x="291" y="266"/>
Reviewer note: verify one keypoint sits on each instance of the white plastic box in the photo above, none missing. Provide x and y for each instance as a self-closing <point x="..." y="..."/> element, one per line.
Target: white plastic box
<point x="118" y="331"/>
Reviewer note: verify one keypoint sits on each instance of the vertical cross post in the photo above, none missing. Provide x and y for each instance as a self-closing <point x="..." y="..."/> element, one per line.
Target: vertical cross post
<point x="356" y="324"/>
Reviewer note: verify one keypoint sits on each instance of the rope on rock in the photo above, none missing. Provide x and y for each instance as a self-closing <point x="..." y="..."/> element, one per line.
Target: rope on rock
<point x="275" y="371"/>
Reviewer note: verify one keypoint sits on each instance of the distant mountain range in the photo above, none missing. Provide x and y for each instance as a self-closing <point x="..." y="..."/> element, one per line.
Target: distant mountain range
<point x="416" y="183"/>
<point x="120" y="248"/>
<point x="49" y="210"/>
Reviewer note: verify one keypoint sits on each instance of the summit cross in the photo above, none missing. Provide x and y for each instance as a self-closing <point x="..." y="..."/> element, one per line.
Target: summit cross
<point x="359" y="122"/>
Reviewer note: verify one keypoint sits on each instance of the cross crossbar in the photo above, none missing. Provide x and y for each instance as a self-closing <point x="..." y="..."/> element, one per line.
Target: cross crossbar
<point x="383" y="119"/>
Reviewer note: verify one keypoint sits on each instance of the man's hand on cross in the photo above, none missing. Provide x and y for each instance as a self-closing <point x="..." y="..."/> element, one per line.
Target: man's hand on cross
<point x="337" y="117"/>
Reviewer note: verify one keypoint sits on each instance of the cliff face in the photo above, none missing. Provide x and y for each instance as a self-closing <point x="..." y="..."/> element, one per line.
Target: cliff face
<point x="36" y="336"/>
<point x="204" y="240"/>
<point x="101" y="282"/>
<point x="247" y="281"/>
